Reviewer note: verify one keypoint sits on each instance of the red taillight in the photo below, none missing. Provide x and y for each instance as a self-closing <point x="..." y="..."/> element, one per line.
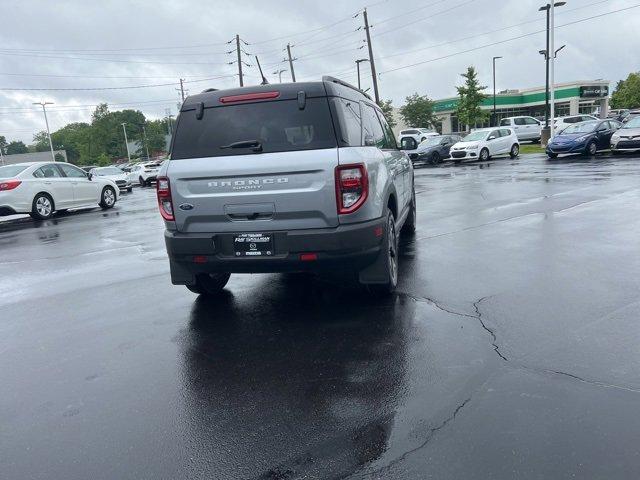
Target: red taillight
<point x="163" y="188"/>
<point x="246" y="97"/>
<point x="308" y="257"/>
<point x="8" y="184"/>
<point x="200" y="259"/>
<point x="352" y="187"/>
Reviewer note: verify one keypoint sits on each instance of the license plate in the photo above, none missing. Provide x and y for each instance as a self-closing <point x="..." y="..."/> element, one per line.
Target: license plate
<point x="253" y="245"/>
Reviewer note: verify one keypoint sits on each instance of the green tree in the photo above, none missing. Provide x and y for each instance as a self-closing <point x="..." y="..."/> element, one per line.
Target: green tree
<point x="387" y="109"/>
<point x="418" y="111"/>
<point x="103" y="160"/>
<point x="59" y="157"/>
<point x="16" y="147"/>
<point x="3" y="144"/>
<point x="471" y="97"/>
<point x="627" y="92"/>
<point x="40" y="142"/>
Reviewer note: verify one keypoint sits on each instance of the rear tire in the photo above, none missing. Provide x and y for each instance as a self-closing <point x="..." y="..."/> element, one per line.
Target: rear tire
<point x="515" y="151"/>
<point x="390" y="252"/>
<point x="209" y="284"/>
<point x="42" y="207"/>
<point x="142" y="182"/>
<point x="107" y="198"/>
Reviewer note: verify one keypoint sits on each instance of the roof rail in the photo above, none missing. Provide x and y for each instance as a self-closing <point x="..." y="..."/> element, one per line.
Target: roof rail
<point x="328" y="78"/>
<point x="209" y="90"/>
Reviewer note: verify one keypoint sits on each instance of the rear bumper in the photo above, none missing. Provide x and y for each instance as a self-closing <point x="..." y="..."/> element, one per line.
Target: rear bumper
<point x="346" y="247"/>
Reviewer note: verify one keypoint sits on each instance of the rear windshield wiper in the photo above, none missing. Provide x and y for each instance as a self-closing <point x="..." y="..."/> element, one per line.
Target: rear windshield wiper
<point x="255" y="145"/>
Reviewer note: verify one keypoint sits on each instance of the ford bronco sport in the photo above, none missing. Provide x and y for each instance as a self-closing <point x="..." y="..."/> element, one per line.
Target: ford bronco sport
<point x="284" y="178"/>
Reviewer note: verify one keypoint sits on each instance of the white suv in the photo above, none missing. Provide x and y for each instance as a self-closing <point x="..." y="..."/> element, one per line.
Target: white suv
<point x="560" y="123"/>
<point x="418" y="134"/>
<point x="484" y="143"/>
<point x="144" y="173"/>
<point x="526" y="128"/>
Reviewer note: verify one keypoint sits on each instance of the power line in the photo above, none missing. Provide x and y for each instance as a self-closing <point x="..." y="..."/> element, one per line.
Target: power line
<point x="128" y="87"/>
<point x="537" y="20"/>
<point x="509" y="39"/>
<point x="108" y="60"/>
<point x="95" y="76"/>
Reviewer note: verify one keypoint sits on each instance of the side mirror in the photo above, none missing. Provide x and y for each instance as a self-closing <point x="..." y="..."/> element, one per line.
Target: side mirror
<point x="369" y="141"/>
<point x="90" y="175"/>
<point x="492" y="137"/>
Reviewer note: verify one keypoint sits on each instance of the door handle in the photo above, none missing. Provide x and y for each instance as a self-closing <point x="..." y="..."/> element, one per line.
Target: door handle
<point x="47" y="183"/>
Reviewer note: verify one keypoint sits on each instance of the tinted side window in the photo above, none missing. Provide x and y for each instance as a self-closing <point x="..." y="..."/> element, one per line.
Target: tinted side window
<point x="388" y="133"/>
<point x="505" y="132"/>
<point x="279" y="126"/>
<point x="505" y="122"/>
<point x="530" y="121"/>
<point x="72" y="172"/>
<point x="371" y="126"/>
<point x="494" y="133"/>
<point x="349" y="122"/>
<point x="519" y="121"/>
<point x="47" y="171"/>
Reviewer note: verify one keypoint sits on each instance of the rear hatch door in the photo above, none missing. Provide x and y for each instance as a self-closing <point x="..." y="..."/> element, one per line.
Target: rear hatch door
<point x="254" y="166"/>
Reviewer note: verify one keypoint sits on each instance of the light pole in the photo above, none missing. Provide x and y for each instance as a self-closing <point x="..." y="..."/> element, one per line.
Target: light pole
<point x="144" y="136"/>
<point x="494" y="88"/>
<point x="358" y="62"/>
<point x="549" y="9"/>
<point x="279" y="73"/>
<point x="46" y="121"/>
<point x="126" y="142"/>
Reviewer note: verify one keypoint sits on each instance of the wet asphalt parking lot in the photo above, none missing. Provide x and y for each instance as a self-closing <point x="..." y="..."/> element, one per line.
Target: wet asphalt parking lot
<point x="511" y="350"/>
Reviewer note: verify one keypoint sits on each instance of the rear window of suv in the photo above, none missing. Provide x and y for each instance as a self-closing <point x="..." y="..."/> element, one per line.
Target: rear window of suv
<point x="279" y="126"/>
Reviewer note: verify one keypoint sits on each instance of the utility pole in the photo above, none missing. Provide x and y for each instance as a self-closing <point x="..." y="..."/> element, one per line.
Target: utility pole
<point x="44" y="110"/>
<point x="293" y="74"/>
<point x="144" y="136"/>
<point x="371" y="61"/>
<point x="546" y="84"/>
<point x="358" y="62"/>
<point x="126" y="142"/>
<point x="239" y="61"/>
<point x="494" y="90"/>
<point x="551" y="48"/>
<point x="279" y="73"/>
<point x="182" y="89"/>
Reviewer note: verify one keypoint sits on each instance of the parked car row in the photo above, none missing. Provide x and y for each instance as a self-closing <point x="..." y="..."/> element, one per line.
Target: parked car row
<point x="42" y="188"/>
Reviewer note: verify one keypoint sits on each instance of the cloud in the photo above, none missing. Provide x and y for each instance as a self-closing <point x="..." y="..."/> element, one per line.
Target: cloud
<point x="71" y="44"/>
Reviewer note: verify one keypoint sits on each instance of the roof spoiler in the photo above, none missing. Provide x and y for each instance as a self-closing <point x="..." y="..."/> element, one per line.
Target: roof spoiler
<point x="327" y="78"/>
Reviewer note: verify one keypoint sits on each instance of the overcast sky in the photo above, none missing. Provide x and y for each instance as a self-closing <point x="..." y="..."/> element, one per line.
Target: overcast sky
<point x="84" y="44"/>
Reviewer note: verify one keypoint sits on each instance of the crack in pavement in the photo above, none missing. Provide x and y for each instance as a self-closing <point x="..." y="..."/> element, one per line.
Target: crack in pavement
<point x="477" y="316"/>
<point x="430" y="435"/>
<point x="476" y="306"/>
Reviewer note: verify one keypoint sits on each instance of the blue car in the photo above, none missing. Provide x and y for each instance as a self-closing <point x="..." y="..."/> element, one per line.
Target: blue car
<point x="584" y="137"/>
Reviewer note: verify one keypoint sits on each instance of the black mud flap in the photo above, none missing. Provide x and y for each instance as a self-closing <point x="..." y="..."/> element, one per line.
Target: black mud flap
<point x="180" y="275"/>
<point x="376" y="273"/>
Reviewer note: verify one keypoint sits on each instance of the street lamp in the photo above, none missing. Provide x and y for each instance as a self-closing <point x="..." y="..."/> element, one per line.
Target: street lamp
<point x="279" y="73"/>
<point x="46" y="121"/>
<point x="144" y="136"/>
<point x="358" y="62"/>
<point x="126" y="142"/>
<point x="494" y="87"/>
<point x="549" y="9"/>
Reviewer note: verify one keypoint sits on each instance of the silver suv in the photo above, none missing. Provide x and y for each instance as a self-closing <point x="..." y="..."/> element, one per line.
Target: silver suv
<point x="284" y="178"/>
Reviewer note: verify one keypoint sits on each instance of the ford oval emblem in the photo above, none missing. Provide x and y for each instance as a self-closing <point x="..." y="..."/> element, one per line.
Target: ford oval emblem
<point x="186" y="206"/>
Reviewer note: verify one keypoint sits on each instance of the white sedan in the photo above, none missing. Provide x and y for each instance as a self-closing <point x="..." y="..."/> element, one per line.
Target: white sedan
<point x="115" y="174"/>
<point x="42" y="188"/>
<point x="485" y="143"/>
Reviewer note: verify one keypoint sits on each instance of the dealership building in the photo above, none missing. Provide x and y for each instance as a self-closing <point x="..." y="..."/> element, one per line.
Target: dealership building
<point x="572" y="98"/>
